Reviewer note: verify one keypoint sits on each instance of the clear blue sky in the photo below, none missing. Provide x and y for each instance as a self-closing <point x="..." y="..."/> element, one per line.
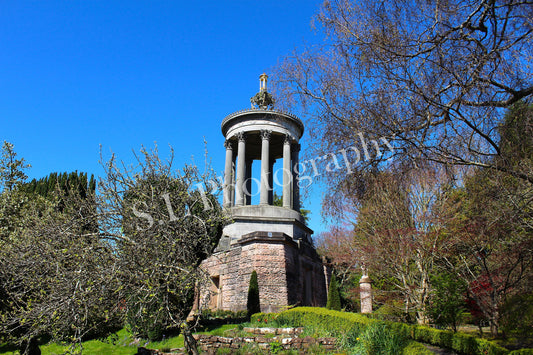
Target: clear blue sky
<point x="76" y="74"/>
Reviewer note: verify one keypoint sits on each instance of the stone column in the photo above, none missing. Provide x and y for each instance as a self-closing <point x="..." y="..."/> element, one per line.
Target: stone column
<point x="271" y="182"/>
<point x="265" y="165"/>
<point x="228" y="174"/>
<point x="287" y="176"/>
<point x="233" y="177"/>
<point x="241" y="162"/>
<point x="365" y="292"/>
<point x="248" y="183"/>
<point x="295" y="181"/>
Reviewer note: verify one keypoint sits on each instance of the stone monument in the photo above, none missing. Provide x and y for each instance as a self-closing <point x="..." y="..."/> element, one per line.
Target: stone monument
<point x="272" y="240"/>
<point x="365" y="292"/>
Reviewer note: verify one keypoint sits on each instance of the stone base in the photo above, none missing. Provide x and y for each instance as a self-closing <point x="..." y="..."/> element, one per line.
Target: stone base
<point x="248" y="219"/>
<point x="289" y="272"/>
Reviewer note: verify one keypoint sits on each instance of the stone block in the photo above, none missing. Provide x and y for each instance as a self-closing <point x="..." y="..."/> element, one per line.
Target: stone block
<point x="224" y="340"/>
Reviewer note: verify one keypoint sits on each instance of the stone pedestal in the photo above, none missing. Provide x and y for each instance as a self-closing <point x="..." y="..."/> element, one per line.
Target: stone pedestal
<point x="365" y="293"/>
<point x="289" y="273"/>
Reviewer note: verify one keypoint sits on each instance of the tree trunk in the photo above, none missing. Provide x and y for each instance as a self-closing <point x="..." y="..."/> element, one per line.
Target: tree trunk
<point x="494" y="324"/>
<point x="31" y="347"/>
<point x="190" y="342"/>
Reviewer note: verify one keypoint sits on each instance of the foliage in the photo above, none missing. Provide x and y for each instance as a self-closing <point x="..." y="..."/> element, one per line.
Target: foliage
<point x="460" y="342"/>
<point x="337" y="246"/>
<point x="343" y="325"/>
<point x="72" y="262"/>
<point x="475" y="225"/>
<point x="398" y="234"/>
<point x="252" y="304"/>
<point x="522" y="352"/>
<point x="415" y="348"/>
<point x="447" y="302"/>
<point x="210" y="314"/>
<point x="378" y="339"/>
<point x="65" y="182"/>
<point x="275" y="347"/>
<point x="490" y="240"/>
<point x="393" y="89"/>
<point x="391" y="312"/>
<point x="57" y="276"/>
<point x="120" y="343"/>
<point x="334" y="298"/>
<point x="431" y="77"/>
<point x="321" y="321"/>
<point x="517" y="319"/>
<point x="11" y="169"/>
<point x="163" y="231"/>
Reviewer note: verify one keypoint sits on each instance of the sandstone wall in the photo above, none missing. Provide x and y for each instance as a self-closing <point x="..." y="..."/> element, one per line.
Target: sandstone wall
<point x="289" y="273"/>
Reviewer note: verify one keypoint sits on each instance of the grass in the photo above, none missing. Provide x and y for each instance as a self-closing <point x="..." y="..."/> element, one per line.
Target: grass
<point x="121" y="343"/>
<point x="218" y="331"/>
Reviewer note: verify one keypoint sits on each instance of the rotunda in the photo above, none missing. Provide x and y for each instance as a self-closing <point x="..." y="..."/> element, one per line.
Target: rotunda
<point x="271" y="239"/>
<point x="263" y="135"/>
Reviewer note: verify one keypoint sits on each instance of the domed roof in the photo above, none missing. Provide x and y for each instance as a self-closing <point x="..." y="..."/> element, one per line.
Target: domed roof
<point x="259" y="114"/>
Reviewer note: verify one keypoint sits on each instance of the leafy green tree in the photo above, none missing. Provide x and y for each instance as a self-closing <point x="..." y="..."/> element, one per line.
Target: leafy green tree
<point x="334" y="298"/>
<point x="163" y="230"/>
<point x="517" y="317"/>
<point x="253" y="304"/>
<point x="69" y="282"/>
<point x="447" y="300"/>
<point x="11" y="169"/>
<point x="62" y="186"/>
<point x="490" y="224"/>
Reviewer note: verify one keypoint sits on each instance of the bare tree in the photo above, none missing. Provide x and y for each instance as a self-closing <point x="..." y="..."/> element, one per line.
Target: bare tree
<point x="165" y="222"/>
<point x="155" y="224"/>
<point x="432" y="77"/>
<point x="398" y="233"/>
<point x="57" y="278"/>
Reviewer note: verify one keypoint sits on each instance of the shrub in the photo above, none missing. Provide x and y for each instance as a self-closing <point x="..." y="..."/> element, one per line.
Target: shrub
<point x="447" y="301"/>
<point x="349" y="326"/>
<point x="223" y="314"/>
<point x="517" y="316"/>
<point x="317" y="321"/>
<point x="416" y="348"/>
<point x="464" y="343"/>
<point x="252" y="305"/>
<point x="380" y="338"/>
<point x="145" y="318"/>
<point x="275" y="347"/>
<point x="390" y="312"/>
<point x="460" y="342"/>
<point x="262" y="319"/>
<point x="334" y="298"/>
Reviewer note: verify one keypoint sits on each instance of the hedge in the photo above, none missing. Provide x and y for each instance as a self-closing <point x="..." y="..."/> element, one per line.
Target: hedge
<point x="522" y="352"/>
<point x="460" y="342"/>
<point x="339" y="323"/>
<point x="335" y="322"/>
<point x="416" y="348"/>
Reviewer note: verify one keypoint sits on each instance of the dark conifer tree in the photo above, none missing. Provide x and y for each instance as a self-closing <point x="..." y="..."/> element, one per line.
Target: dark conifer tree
<point x="253" y="304"/>
<point x="334" y="298"/>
